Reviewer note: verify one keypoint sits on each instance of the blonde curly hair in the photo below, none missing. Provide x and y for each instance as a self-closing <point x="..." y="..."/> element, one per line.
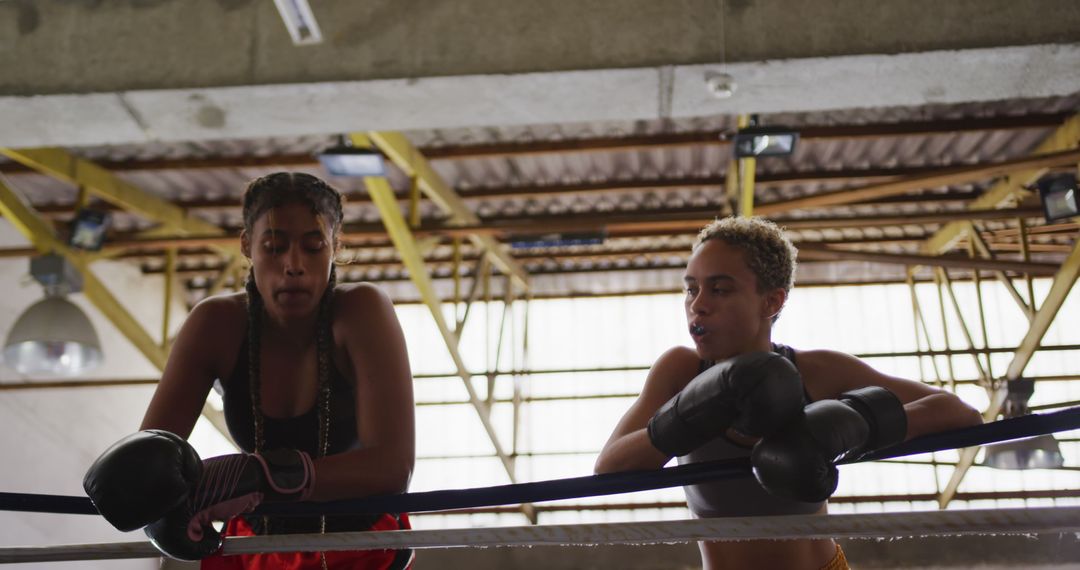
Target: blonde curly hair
<point x="768" y="253"/>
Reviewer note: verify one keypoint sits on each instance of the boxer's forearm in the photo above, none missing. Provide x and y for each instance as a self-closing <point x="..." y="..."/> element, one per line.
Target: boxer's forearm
<point x="630" y="452"/>
<point x="937" y="413"/>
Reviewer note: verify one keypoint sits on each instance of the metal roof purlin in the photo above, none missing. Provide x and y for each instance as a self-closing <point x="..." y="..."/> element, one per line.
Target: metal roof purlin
<point x="63" y="165"/>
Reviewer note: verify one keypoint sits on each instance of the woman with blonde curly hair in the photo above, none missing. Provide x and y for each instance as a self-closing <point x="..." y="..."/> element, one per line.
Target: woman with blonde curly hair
<point x="739" y="394"/>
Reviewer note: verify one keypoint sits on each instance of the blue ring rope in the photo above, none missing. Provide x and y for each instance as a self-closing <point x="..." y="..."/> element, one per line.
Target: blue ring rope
<point x="593" y="485"/>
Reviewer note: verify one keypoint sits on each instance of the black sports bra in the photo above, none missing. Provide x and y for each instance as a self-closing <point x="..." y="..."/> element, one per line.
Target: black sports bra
<point x="297" y="432"/>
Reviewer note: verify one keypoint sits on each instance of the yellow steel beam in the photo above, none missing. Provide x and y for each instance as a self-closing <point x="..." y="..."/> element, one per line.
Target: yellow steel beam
<point x="1059" y="290"/>
<point x="747" y="171"/>
<point x="403" y="154"/>
<point x="30" y="224"/>
<point x="1005" y="192"/>
<point x="398" y="229"/>
<point x="231" y="268"/>
<point x="967" y="454"/>
<point x="63" y="165"/>
<point x="984" y="249"/>
<point x="1017" y="169"/>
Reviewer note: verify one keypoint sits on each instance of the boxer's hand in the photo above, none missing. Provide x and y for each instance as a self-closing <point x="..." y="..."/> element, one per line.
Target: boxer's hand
<point x="798" y="462"/>
<point x="755" y="393"/>
<point x="142" y="477"/>
<point x="231" y="485"/>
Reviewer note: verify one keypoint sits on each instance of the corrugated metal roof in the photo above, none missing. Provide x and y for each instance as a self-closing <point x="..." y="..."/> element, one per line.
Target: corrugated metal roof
<point x="593" y="182"/>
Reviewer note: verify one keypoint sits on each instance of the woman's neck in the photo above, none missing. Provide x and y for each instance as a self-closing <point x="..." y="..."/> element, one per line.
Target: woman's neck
<point x="762" y="342"/>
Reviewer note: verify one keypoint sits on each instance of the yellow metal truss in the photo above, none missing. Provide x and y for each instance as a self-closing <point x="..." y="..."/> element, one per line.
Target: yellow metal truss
<point x="406" y="157"/>
<point x="1003" y="194"/>
<point x="31" y="225"/>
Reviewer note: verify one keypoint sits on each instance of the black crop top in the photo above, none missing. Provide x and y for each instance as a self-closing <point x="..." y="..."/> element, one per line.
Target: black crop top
<point x="297" y="432"/>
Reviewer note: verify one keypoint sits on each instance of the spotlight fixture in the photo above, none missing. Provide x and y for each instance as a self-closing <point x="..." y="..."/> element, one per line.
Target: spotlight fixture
<point x="1058" y="194"/>
<point x="344" y="159"/>
<point x="88" y="229"/>
<point x="53" y="337"/>
<point x="755" y="140"/>
<point x="1040" y="452"/>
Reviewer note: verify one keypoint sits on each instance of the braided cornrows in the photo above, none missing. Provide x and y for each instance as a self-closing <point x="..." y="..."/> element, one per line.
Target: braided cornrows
<point x="273" y="190"/>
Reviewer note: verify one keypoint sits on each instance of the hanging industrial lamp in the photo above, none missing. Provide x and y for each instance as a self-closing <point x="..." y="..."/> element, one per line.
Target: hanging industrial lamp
<point x="53" y="337"/>
<point x="1040" y="452"/>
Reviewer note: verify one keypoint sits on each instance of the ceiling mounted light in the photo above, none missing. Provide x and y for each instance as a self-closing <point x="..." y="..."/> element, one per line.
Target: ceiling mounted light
<point x="1058" y="194"/>
<point x="88" y="229"/>
<point x="343" y="159"/>
<point x="53" y="337"/>
<point x="557" y="240"/>
<point x="1040" y="452"/>
<point x="300" y="21"/>
<point x="755" y="141"/>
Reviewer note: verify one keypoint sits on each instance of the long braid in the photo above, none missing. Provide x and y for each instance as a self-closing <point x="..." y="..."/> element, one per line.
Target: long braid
<point x="324" y="343"/>
<point x="254" y="307"/>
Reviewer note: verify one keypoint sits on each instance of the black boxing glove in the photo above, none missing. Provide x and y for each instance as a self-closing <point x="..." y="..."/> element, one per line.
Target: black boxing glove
<point x="755" y="393"/>
<point x="230" y="485"/>
<point x="799" y="461"/>
<point x="141" y="478"/>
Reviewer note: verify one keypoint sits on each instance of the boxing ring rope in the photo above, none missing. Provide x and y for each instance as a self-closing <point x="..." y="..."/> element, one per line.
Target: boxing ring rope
<point x="864" y="525"/>
<point x="735" y="528"/>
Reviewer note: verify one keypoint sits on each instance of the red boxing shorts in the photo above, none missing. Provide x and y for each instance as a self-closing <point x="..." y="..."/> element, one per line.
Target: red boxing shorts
<point x="340" y="560"/>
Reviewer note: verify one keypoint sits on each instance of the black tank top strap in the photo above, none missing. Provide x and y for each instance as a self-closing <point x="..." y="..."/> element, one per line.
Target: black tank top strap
<point x="785" y="351"/>
<point x="789" y="353"/>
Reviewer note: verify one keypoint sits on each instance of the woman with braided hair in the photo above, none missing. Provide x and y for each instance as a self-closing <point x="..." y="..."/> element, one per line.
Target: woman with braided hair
<point x="316" y="385"/>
